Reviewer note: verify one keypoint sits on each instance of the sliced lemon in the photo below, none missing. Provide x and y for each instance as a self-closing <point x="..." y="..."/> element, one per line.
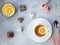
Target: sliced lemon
<point x="42" y="30"/>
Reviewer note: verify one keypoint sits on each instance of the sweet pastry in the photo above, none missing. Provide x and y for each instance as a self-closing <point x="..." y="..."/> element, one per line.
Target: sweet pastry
<point x="8" y="9"/>
<point x="45" y="8"/>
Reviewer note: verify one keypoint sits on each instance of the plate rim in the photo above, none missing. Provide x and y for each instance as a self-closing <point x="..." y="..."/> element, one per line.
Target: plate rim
<point x="40" y="19"/>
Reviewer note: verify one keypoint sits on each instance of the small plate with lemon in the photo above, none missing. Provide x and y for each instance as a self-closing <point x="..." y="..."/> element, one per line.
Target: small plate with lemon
<point x="8" y="9"/>
<point x="39" y="30"/>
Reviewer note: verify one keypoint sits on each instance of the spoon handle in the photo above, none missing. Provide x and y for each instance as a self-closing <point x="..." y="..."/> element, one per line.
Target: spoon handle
<point x="59" y="29"/>
<point x="48" y="2"/>
<point x="54" y="39"/>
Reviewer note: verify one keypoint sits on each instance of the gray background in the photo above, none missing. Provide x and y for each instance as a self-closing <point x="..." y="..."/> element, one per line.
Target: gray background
<point x="12" y="24"/>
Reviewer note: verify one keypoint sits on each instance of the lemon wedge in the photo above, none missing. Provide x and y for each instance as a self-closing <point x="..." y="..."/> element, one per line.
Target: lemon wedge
<point x="42" y="30"/>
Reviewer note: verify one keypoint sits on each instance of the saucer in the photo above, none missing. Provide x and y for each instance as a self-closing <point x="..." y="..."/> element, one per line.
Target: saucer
<point x="31" y="30"/>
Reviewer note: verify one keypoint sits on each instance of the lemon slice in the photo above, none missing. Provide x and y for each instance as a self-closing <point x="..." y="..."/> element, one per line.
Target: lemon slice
<point x="42" y="30"/>
<point x="8" y="9"/>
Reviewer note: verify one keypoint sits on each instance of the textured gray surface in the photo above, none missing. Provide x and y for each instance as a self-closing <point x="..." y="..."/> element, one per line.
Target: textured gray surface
<point x="11" y="24"/>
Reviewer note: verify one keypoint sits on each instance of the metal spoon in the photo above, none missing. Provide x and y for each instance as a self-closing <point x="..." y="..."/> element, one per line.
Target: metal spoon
<point x="48" y="2"/>
<point x="56" y="24"/>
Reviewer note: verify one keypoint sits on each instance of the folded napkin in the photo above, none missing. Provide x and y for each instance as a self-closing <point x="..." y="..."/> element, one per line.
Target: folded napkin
<point x="55" y="39"/>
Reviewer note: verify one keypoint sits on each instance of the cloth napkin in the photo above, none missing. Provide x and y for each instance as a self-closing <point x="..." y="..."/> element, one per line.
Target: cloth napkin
<point x="55" y="39"/>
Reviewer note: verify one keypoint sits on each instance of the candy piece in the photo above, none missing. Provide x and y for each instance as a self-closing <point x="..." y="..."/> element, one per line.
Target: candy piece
<point x="10" y="34"/>
<point x="21" y="19"/>
<point x="20" y="29"/>
<point x="32" y="15"/>
<point x="22" y="7"/>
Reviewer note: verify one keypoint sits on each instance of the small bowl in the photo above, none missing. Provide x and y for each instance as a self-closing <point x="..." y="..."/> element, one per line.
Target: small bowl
<point x="10" y="14"/>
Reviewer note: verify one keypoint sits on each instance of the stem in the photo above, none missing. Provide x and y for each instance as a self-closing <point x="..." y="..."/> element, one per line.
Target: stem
<point x="59" y="28"/>
<point x="48" y="2"/>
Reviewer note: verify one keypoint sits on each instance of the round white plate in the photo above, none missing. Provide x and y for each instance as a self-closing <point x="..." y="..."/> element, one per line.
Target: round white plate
<point x="33" y="24"/>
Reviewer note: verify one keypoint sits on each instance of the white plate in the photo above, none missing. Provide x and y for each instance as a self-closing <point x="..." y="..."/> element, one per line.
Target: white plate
<point x="33" y="24"/>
